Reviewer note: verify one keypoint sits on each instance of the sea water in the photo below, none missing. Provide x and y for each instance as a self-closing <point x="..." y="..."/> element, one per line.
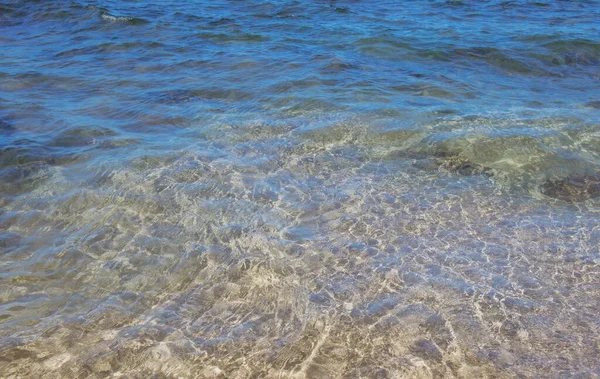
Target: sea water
<point x="319" y="189"/>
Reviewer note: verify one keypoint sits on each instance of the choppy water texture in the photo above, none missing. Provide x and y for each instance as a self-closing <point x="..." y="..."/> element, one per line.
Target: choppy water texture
<point x="323" y="189"/>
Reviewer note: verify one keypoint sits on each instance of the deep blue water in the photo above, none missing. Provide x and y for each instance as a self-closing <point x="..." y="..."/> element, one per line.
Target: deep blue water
<point x="299" y="189"/>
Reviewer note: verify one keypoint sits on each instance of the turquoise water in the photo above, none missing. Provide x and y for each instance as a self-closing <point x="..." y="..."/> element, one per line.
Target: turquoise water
<point x="331" y="189"/>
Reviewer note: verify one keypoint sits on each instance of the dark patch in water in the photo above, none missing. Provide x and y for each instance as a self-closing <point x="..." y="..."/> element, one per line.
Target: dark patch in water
<point x="573" y="188"/>
<point x="23" y="178"/>
<point x="25" y="155"/>
<point x="574" y="52"/>
<point x="497" y="58"/>
<point x="213" y="96"/>
<point x="177" y="96"/>
<point x="23" y="152"/>
<point x="594" y="104"/>
<point x="426" y="350"/>
<point x="341" y="10"/>
<point x="337" y="65"/>
<point x="9" y="240"/>
<point x="5" y="126"/>
<point x="77" y="137"/>
<point x="222" y="21"/>
<point x="459" y="164"/>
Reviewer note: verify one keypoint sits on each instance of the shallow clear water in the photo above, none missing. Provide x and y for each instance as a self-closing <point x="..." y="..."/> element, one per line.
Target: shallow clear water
<point x="331" y="189"/>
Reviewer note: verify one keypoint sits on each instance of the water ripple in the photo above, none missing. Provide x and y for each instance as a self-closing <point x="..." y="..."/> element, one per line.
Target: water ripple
<point x="284" y="189"/>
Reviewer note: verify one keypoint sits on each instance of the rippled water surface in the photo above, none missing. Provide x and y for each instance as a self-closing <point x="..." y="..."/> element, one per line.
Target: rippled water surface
<point x="322" y="189"/>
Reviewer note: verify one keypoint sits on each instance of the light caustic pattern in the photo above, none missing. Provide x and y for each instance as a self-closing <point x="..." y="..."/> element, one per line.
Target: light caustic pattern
<point x="277" y="251"/>
<point x="324" y="189"/>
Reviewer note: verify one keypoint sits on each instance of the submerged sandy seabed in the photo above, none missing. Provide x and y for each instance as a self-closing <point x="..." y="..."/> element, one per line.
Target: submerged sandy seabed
<point x="283" y="251"/>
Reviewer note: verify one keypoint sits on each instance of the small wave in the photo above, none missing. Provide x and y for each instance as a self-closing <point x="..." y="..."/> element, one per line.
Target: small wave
<point x="5" y="127"/>
<point x="223" y="21"/>
<point x="383" y="46"/>
<point x="498" y="58"/>
<point x="81" y="136"/>
<point x="576" y="51"/>
<point x="334" y="65"/>
<point x="24" y="151"/>
<point x="123" y="19"/>
<point x="239" y="37"/>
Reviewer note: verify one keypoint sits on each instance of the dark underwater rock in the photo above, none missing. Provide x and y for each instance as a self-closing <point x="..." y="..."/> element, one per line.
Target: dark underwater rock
<point x="450" y="162"/>
<point x="459" y="164"/>
<point x="574" y="188"/>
